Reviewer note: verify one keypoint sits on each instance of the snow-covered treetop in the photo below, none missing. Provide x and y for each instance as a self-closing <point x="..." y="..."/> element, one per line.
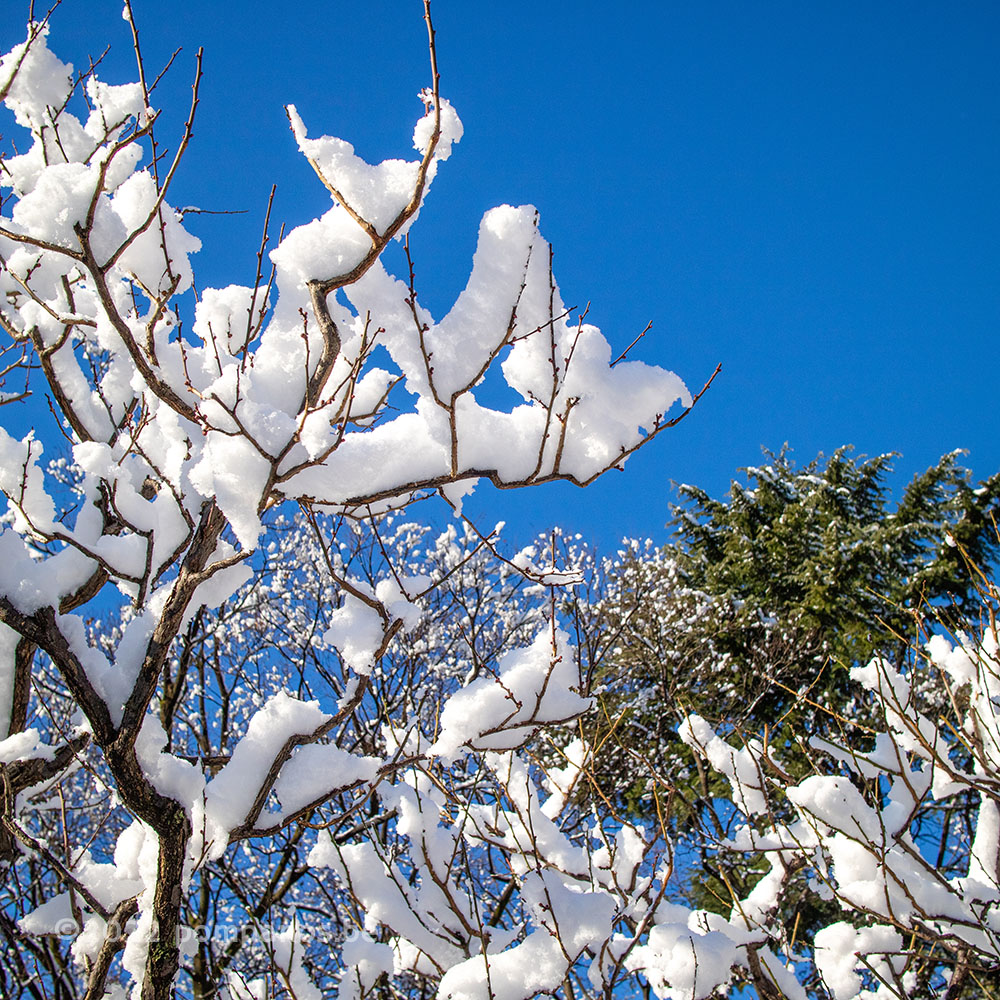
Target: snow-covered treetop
<point x="190" y="419"/>
<point x="271" y="394"/>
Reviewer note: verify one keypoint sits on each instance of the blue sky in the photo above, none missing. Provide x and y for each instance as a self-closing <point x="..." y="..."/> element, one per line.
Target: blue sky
<point x="805" y="193"/>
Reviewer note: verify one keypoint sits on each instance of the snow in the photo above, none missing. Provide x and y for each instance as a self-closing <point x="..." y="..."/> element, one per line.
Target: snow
<point x="223" y="583"/>
<point x="8" y="647"/>
<point x="170" y="416"/>
<point x="171" y="776"/>
<point x="364" y="961"/>
<point x="113" y="107"/>
<point x="222" y="317"/>
<point x="23" y="745"/>
<point x="385" y="897"/>
<point x="838" y="950"/>
<point x="234" y="472"/>
<point x="230" y="794"/>
<point x="41" y="82"/>
<point x="679" y="964"/>
<point x="21" y="480"/>
<point x="288" y="952"/>
<point x="316" y="771"/>
<point x="356" y="630"/>
<point x="560" y="782"/>
<point x="377" y="193"/>
<point x="451" y="128"/>
<point x="133" y="202"/>
<point x="28" y="583"/>
<point x="956" y="660"/>
<point x="535" y="965"/>
<point x="741" y="767"/>
<point x="54" y="916"/>
<point x="533" y="686"/>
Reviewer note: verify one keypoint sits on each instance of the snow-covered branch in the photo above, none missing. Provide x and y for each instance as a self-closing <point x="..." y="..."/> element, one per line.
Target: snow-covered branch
<point x="134" y="568"/>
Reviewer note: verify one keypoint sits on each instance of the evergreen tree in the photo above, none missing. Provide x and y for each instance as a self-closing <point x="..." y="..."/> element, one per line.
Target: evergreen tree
<point x="755" y="611"/>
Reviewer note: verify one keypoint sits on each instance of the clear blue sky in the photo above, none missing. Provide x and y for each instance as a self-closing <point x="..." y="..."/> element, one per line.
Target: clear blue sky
<point x="805" y="193"/>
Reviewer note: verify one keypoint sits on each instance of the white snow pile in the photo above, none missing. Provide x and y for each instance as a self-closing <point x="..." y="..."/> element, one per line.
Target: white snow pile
<point x="533" y="687"/>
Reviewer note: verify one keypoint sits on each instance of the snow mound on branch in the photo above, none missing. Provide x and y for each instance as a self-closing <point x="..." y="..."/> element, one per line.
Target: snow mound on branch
<point x="356" y="628"/>
<point x="377" y="193"/>
<point x="314" y="771"/>
<point x="680" y="964"/>
<point x="839" y="948"/>
<point x="229" y="796"/>
<point x="534" y="686"/>
<point x="41" y="81"/>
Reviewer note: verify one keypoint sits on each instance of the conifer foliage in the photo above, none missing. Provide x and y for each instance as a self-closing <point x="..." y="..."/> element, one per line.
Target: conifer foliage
<point x="762" y="602"/>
